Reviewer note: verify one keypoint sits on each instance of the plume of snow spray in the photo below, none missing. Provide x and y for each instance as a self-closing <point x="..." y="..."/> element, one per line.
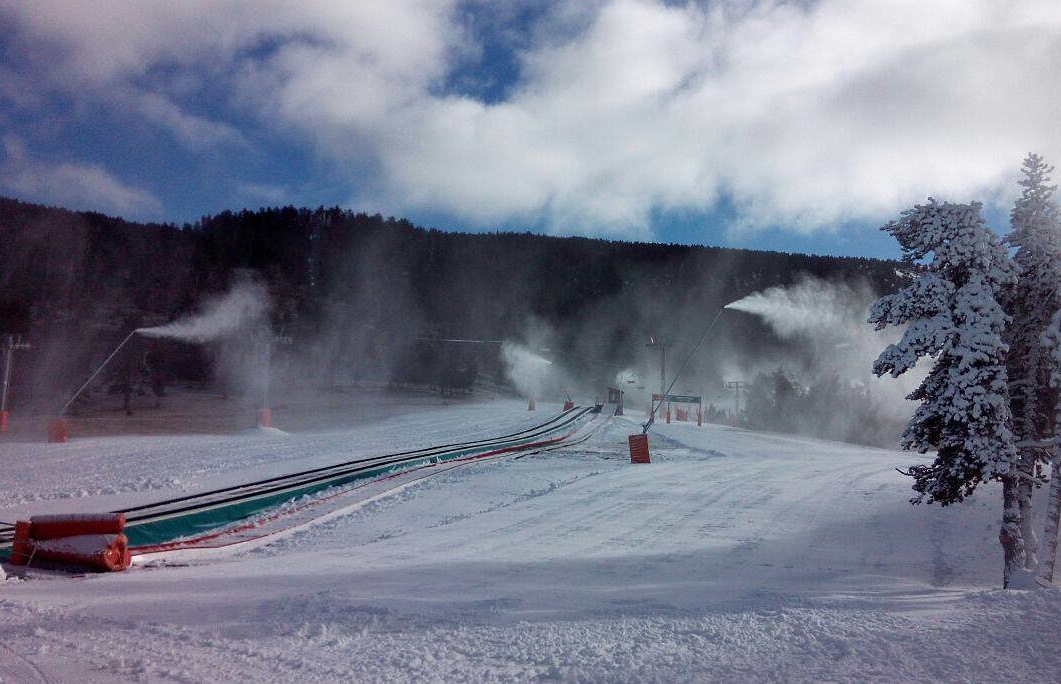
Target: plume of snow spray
<point x="244" y="306"/>
<point x="828" y="321"/>
<point x="826" y="317"/>
<point x="811" y="306"/>
<point x="525" y="368"/>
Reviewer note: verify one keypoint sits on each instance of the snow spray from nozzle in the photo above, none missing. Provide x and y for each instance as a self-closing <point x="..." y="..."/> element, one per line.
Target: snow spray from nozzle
<point x="245" y="304"/>
<point x="652" y="413"/>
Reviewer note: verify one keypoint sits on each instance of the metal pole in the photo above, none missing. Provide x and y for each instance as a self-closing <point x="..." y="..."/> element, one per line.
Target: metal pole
<point x="663" y="368"/>
<point x="268" y="372"/>
<point x="735" y="385"/>
<point x="651" y="418"/>
<point x="653" y="343"/>
<point x="9" y="351"/>
<point x="92" y="377"/>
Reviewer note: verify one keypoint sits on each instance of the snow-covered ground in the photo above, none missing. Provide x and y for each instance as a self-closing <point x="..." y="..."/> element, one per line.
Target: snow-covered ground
<point x="734" y="556"/>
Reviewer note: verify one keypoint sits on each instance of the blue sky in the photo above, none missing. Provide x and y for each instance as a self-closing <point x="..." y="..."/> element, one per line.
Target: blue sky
<point x="793" y="126"/>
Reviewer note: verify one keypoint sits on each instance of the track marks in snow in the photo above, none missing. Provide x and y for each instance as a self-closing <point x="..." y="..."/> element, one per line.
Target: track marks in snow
<point x="521" y="498"/>
<point x="16" y="667"/>
<point x="323" y="636"/>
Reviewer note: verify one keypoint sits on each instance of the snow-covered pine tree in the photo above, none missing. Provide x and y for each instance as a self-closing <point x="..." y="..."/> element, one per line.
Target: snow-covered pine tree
<point x="1051" y="339"/>
<point x="1030" y="303"/>
<point x="951" y="313"/>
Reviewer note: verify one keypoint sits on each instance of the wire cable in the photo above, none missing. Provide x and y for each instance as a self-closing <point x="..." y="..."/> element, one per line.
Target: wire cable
<point x="652" y="415"/>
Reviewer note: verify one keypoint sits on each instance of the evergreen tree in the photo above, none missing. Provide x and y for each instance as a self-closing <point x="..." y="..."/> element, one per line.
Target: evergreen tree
<point x="1030" y="303"/>
<point x="1051" y="340"/>
<point x="952" y="314"/>
<point x="773" y="401"/>
<point x="759" y="403"/>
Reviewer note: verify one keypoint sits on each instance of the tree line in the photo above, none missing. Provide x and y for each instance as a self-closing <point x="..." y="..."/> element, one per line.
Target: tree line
<point x="371" y="297"/>
<point x="828" y="406"/>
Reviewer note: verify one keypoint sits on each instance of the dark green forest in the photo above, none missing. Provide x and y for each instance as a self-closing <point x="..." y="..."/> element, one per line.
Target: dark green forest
<point x="366" y="298"/>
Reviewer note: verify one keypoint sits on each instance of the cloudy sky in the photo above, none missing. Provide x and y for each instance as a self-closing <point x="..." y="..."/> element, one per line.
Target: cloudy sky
<point x="800" y="126"/>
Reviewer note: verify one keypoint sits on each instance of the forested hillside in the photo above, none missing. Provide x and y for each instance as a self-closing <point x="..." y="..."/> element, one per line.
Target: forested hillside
<point x="364" y="297"/>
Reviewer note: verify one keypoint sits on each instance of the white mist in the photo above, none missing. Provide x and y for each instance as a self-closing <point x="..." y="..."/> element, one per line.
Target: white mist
<point x="243" y="307"/>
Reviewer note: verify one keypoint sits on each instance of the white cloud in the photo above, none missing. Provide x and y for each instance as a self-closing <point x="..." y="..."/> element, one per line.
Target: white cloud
<point x="846" y="110"/>
<point x="195" y="132"/>
<point x="803" y="114"/>
<point x="337" y="68"/>
<point x="71" y="185"/>
<point x="272" y="195"/>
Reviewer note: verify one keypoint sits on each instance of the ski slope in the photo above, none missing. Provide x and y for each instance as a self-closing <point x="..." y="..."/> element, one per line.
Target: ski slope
<point x="734" y="556"/>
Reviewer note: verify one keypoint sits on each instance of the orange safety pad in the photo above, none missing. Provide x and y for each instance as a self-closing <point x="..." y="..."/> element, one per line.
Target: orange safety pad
<point x="102" y="551"/>
<point x="21" y="548"/>
<point x="75" y="525"/>
<point x="639" y="449"/>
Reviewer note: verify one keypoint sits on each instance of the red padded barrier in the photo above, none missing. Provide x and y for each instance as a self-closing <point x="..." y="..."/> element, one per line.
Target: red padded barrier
<point x="75" y="525"/>
<point x="92" y="540"/>
<point x="58" y="430"/>
<point x="639" y="449"/>
<point x="102" y="551"/>
<point x="22" y="547"/>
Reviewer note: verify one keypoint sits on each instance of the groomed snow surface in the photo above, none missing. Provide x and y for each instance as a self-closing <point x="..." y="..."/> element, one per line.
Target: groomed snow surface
<point x="734" y="556"/>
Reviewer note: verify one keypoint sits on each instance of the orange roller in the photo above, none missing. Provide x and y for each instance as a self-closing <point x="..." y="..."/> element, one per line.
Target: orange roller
<point x="102" y="551"/>
<point x="22" y="547"/>
<point x="45" y="527"/>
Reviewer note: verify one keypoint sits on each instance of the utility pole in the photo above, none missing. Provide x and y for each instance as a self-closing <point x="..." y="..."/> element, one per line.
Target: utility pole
<point x="656" y="343"/>
<point x="736" y="385"/>
<point x="265" y="413"/>
<point x="12" y="343"/>
<point x="653" y="342"/>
